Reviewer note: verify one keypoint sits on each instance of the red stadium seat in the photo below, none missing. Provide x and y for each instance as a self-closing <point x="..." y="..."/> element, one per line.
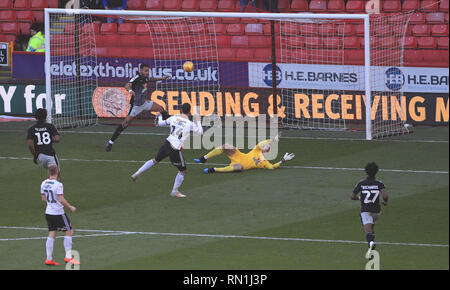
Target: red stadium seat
<point x="352" y="42"/>
<point x="259" y="41"/>
<point x="228" y="20"/>
<point x="7" y="15"/>
<point x="39" y="16"/>
<point x="244" y="54"/>
<point x="354" y="57"/>
<point x="235" y="29"/>
<point x="142" y="28"/>
<point x="262" y="54"/>
<point x="154" y="5"/>
<point x="421" y="30"/>
<point x="446" y="17"/>
<point x="6" y="4"/>
<point x="223" y="41"/>
<point x="25" y="16"/>
<point x="308" y="29"/>
<point x="239" y="41"/>
<point x="53" y="3"/>
<point x="93" y="27"/>
<point x="179" y="28"/>
<point x="110" y="39"/>
<point x="429" y="5"/>
<point x="332" y="42"/>
<point x="208" y="5"/>
<point x="226" y="54"/>
<point x="217" y="28"/>
<point x="439" y="30"/>
<point x="197" y="28"/>
<point x="39" y="4"/>
<point x="336" y="6"/>
<point x="172" y="5"/>
<point x="136" y="4"/>
<point x="108" y="28"/>
<point x="318" y="6"/>
<point x="284" y="6"/>
<point x="435" y="18"/>
<point x="392" y="6"/>
<point x="24" y="27"/>
<point x="128" y="40"/>
<point x="427" y="42"/>
<point x="144" y="40"/>
<point x="355" y="6"/>
<point x="413" y="57"/>
<point x="10" y="27"/>
<point x="116" y="51"/>
<point x="410" y="5"/>
<point x="346" y="30"/>
<point x="359" y="29"/>
<point x="22" y="4"/>
<point x="226" y="5"/>
<point x="326" y="29"/>
<point x="161" y="29"/>
<point x="444" y="6"/>
<point x="127" y="28"/>
<point x="254" y="29"/>
<point x="190" y="5"/>
<point x="435" y="57"/>
<point x="410" y="42"/>
<point x="417" y="18"/>
<point x="442" y="43"/>
<point x="290" y="28"/>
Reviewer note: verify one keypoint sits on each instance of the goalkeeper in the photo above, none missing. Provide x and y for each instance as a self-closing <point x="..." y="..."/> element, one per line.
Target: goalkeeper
<point x="244" y="161"/>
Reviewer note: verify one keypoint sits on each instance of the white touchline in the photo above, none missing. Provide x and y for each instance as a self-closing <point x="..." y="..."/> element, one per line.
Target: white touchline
<point x="115" y="233"/>
<point x="222" y="164"/>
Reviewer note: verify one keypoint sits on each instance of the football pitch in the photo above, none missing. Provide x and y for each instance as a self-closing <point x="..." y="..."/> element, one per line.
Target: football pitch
<point x="297" y="217"/>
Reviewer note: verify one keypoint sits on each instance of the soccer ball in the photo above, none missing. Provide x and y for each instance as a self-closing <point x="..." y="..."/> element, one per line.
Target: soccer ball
<point x="188" y="66"/>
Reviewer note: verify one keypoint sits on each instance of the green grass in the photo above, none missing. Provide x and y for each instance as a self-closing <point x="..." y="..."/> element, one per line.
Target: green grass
<point x="224" y="211"/>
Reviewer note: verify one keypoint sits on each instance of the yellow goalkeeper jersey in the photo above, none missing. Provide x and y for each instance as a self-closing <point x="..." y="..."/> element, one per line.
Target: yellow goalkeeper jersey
<point x="253" y="159"/>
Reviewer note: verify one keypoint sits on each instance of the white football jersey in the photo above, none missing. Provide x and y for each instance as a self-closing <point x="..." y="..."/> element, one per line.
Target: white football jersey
<point x="180" y="129"/>
<point x="51" y="188"/>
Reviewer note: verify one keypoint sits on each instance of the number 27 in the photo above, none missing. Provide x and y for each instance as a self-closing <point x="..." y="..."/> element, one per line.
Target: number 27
<point x="368" y="194"/>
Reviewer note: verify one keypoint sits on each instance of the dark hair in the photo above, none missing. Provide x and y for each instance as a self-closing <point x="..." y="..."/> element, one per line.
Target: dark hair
<point x="41" y="114"/>
<point x="371" y="169"/>
<point x="143" y="65"/>
<point x="36" y="27"/>
<point x="186" y="108"/>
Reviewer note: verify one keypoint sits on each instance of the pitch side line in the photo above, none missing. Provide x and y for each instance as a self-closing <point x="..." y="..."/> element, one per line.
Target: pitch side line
<point x="222" y="164"/>
<point x="115" y="233"/>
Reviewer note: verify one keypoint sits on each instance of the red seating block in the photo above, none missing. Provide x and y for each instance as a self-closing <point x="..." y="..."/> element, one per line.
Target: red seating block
<point x="429" y="5"/>
<point x="439" y="30"/>
<point x="179" y="28"/>
<point x="332" y="42"/>
<point x="442" y="43"/>
<point x="127" y="28"/>
<point x="142" y="28"/>
<point x="25" y="16"/>
<point x="284" y="6"/>
<point x="144" y="40"/>
<point x="259" y="41"/>
<point x="435" y="18"/>
<point x="223" y="41"/>
<point x="10" y="27"/>
<point x="444" y="6"/>
<point x="262" y="54"/>
<point x="136" y="4"/>
<point x="53" y="3"/>
<point x="417" y="18"/>
<point x="318" y="6"/>
<point x="39" y="4"/>
<point x="226" y="54"/>
<point x="410" y="5"/>
<point x="108" y="28"/>
<point x="24" y="27"/>
<point x="352" y="42"/>
<point x="421" y="30"/>
<point x="345" y="29"/>
<point x="208" y="5"/>
<point x="6" y="4"/>
<point x="93" y="27"/>
<point x="244" y="54"/>
<point x="217" y="28"/>
<point x="355" y="6"/>
<point x="128" y="40"/>
<point x="161" y="29"/>
<point x="254" y="29"/>
<point x="336" y="6"/>
<point x="392" y="6"/>
<point x="22" y="4"/>
<point x="235" y="29"/>
<point x="110" y="40"/>
<point x="435" y="57"/>
<point x="7" y="37"/>
<point x="197" y="28"/>
<point x="116" y="51"/>
<point x="413" y="57"/>
<point x="427" y="42"/>
<point x="226" y="5"/>
<point x="154" y="5"/>
<point x="239" y="41"/>
<point x="190" y="5"/>
<point x="354" y="57"/>
<point x="7" y="15"/>
<point x="172" y="5"/>
<point x="410" y="42"/>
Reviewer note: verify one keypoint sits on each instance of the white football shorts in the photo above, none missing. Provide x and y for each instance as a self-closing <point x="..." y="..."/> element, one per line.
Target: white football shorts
<point x="369" y="217"/>
<point x="136" y="110"/>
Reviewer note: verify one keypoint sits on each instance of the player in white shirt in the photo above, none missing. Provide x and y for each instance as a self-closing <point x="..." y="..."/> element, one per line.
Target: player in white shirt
<point x="180" y="129"/>
<point x="52" y="192"/>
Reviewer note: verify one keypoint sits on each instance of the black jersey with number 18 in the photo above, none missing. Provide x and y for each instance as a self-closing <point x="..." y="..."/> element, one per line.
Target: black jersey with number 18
<point x="42" y="135"/>
<point x="370" y="189"/>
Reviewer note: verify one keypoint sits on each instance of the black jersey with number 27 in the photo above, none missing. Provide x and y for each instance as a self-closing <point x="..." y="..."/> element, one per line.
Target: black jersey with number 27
<point x="370" y="189"/>
<point x="42" y="135"/>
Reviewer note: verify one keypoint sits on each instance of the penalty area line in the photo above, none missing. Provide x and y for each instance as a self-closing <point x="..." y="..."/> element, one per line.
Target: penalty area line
<point x="115" y="233"/>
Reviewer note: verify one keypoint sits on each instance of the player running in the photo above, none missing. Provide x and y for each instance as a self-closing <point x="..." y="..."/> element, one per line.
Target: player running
<point x="244" y="161"/>
<point x="52" y="193"/>
<point x="138" y="87"/>
<point x="40" y="139"/>
<point x="370" y="189"/>
<point x="180" y="128"/>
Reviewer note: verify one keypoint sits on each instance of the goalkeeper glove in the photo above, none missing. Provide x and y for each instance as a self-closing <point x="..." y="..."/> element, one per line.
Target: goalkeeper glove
<point x="287" y="157"/>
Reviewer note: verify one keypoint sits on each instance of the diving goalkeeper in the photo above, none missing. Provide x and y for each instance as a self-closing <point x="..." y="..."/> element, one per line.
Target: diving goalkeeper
<point x="244" y="161"/>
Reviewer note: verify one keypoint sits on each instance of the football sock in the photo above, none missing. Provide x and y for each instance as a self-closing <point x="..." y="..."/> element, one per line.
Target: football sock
<point x="178" y="181"/>
<point x="370" y="237"/>
<point x="68" y="246"/>
<point x="229" y="168"/>
<point x="145" y="167"/>
<point x="165" y="115"/>
<point x="214" y="152"/>
<point x="49" y="248"/>
<point x="116" y="134"/>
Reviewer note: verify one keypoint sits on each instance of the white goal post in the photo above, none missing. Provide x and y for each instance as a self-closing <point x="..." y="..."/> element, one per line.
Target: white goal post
<point x="71" y="51"/>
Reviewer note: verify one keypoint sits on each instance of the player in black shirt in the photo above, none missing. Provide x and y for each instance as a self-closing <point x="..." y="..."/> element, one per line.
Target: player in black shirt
<point x="40" y="140"/>
<point x="370" y="190"/>
<point x="138" y="88"/>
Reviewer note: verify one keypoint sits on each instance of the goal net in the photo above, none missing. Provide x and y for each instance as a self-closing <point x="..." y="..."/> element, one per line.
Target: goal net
<point x="333" y="72"/>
